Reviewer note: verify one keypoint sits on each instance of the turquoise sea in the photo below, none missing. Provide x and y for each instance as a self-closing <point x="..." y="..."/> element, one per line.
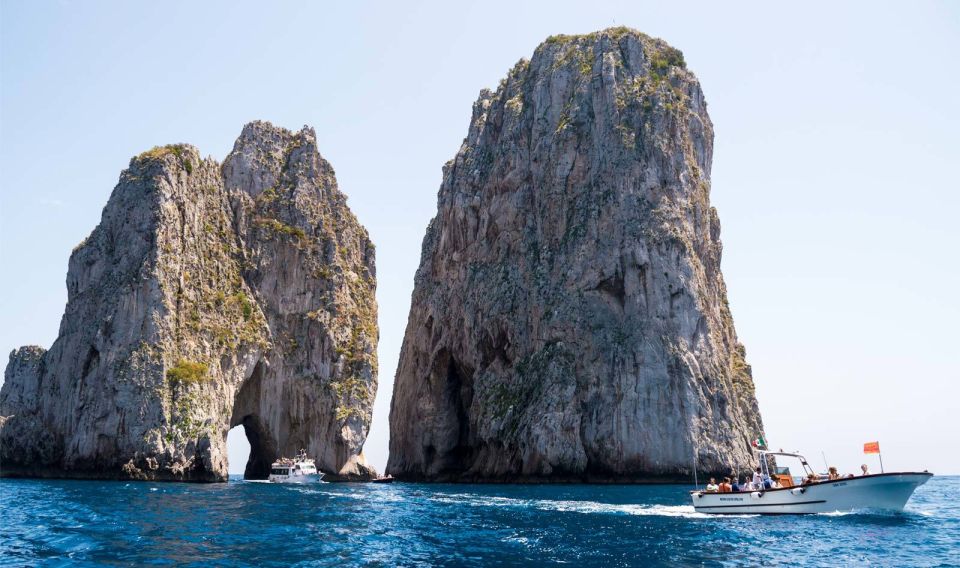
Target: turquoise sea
<point x="98" y="523"/>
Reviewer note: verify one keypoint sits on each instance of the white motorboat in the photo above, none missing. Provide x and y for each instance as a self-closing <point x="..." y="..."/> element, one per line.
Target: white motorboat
<point x="297" y="470"/>
<point x="879" y="492"/>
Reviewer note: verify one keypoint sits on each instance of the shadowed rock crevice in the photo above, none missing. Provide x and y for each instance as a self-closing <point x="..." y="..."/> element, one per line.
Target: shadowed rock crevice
<point x="460" y="396"/>
<point x="450" y="450"/>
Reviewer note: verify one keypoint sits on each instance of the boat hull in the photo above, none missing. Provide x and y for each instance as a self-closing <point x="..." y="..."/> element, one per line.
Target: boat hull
<point x="297" y="479"/>
<point x="884" y="492"/>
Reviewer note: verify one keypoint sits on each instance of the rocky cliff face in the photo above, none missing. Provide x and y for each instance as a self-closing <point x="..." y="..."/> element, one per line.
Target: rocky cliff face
<point x="569" y="319"/>
<point x="207" y="297"/>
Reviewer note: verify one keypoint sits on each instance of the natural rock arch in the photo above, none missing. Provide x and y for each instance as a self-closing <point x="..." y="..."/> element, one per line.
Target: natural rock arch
<point x="208" y="296"/>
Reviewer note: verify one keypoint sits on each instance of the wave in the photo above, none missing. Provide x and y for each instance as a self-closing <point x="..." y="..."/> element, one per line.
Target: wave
<point x="584" y="507"/>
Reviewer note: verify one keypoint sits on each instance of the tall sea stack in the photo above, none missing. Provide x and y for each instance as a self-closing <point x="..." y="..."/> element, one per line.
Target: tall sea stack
<point x="209" y="296"/>
<point x="569" y="319"/>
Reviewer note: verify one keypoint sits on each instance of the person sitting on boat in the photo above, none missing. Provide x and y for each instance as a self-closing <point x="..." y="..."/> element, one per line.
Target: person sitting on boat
<point x="811" y="479"/>
<point x="736" y="486"/>
<point x="712" y="487"/>
<point x="832" y="473"/>
<point x="865" y="469"/>
<point x="768" y="482"/>
<point x="725" y="487"/>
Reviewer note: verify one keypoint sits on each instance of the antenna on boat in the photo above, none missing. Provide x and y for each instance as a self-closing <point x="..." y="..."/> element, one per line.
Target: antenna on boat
<point x="825" y="464"/>
<point x="696" y="484"/>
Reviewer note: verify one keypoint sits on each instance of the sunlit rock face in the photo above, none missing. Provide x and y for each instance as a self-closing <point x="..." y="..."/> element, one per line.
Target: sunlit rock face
<point x="208" y="296"/>
<point x="569" y="319"/>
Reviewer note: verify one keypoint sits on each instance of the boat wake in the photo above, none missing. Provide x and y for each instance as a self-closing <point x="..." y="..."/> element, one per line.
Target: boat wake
<point x="584" y="507"/>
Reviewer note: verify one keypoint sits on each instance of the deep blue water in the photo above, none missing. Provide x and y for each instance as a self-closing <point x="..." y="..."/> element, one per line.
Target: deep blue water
<point x="256" y="524"/>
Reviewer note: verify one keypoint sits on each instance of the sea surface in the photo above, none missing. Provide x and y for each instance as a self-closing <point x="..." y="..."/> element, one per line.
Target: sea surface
<point x="94" y="523"/>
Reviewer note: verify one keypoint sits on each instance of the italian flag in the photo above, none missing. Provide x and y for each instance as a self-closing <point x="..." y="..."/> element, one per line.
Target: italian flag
<point x="759" y="442"/>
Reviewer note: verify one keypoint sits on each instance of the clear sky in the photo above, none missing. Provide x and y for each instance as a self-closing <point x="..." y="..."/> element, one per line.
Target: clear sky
<point x="835" y="167"/>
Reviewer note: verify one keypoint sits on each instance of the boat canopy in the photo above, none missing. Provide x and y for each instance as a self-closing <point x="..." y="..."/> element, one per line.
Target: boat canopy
<point x="765" y="453"/>
<point x="787" y="454"/>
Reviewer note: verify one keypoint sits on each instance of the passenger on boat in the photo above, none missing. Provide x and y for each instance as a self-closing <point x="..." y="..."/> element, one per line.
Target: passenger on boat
<point x="712" y="487"/>
<point x="725" y="487"/>
<point x="757" y="482"/>
<point x="865" y="469"/>
<point x="736" y="487"/>
<point x="811" y="479"/>
<point x="768" y="482"/>
<point x="832" y="473"/>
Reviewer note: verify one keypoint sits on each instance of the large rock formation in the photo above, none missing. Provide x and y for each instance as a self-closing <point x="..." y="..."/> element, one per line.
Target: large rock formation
<point x="569" y="320"/>
<point x="207" y="297"/>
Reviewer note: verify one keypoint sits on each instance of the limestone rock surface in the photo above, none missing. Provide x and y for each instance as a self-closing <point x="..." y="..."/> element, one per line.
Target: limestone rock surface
<point x="569" y="319"/>
<point x="208" y="296"/>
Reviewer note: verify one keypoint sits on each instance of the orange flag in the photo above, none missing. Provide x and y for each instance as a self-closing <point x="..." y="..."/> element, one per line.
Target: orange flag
<point x="871" y="448"/>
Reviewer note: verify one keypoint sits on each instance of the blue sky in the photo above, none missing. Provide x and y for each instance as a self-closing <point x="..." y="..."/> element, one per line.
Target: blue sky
<point x="834" y="167"/>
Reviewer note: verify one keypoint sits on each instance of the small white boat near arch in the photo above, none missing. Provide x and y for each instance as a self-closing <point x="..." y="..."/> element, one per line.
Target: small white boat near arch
<point x="880" y="492"/>
<point x="297" y="470"/>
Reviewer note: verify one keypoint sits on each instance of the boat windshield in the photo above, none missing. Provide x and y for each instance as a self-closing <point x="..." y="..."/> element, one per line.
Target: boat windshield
<point x="777" y="466"/>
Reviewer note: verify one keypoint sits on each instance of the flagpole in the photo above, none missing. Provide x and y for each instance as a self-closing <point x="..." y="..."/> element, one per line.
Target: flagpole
<point x="874" y="448"/>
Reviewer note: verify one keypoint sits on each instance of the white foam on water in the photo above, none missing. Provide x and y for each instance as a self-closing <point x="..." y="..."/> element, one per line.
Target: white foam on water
<point x="372" y="497"/>
<point x="683" y="511"/>
<point x="586" y="507"/>
<point x="354" y="496"/>
<point x="526" y="542"/>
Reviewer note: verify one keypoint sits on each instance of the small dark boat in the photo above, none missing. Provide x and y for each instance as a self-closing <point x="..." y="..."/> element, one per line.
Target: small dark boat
<point x="384" y="479"/>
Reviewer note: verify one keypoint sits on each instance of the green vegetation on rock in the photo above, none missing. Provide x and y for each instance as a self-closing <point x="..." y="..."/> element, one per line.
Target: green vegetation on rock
<point x="187" y="372"/>
<point x="279" y="228"/>
<point x="177" y="150"/>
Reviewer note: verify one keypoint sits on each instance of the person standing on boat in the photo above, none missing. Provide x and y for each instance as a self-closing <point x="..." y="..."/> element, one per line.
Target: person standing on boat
<point x="757" y="483"/>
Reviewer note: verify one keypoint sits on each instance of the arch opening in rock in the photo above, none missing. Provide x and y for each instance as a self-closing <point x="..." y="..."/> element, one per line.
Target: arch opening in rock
<point x="238" y="450"/>
<point x="263" y="451"/>
<point x="263" y="448"/>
